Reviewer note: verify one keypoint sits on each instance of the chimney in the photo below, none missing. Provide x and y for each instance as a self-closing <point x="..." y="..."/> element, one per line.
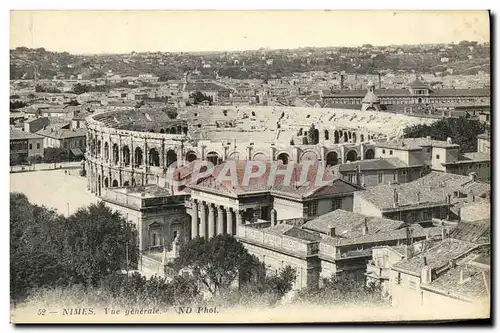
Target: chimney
<point x="471" y="196"/>
<point x="425" y="276"/>
<point x="472" y="176"/>
<point x="428" y="137"/>
<point x="331" y="232"/>
<point x="365" y="226"/>
<point x="274" y="217"/>
<point x="448" y="140"/>
<point x="396" y="198"/>
<point x="418" y="197"/>
<point x="444" y="233"/>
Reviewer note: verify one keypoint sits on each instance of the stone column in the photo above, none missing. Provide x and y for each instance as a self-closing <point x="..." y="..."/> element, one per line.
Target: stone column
<point x="211" y="221"/>
<point x="162" y="153"/>
<point x="203" y="219"/>
<point x="194" y="219"/>
<point x="146" y="156"/>
<point x="342" y="154"/>
<point x="220" y="220"/>
<point x="229" y="215"/>
<point x="120" y="152"/>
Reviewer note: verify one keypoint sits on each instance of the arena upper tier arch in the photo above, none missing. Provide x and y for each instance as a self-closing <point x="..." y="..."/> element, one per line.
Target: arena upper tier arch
<point x="135" y="147"/>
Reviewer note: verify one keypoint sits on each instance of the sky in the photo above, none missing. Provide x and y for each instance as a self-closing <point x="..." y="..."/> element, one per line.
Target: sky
<point x="97" y="32"/>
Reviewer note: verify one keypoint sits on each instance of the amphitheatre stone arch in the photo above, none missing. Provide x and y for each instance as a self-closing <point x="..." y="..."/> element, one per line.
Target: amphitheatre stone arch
<point x="138" y="157"/>
<point x="106" y="182"/>
<point x="190" y="156"/>
<point x="115" y="183"/>
<point x="106" y="151"/>
<point x="283" y="157"/>
<point x="260" y="156"/>
<point x="369" y="154"/>
<point x="352" y="155"/>
<point x="126" y="155"/>
<point x="213" y="157"/>
<point x="116" y="154"/>
<point x="234" y="155"/>
<point x="171" y="157"/>
<point x="154" y="157"/>
<point x="309" y="155"/>
<point x="336" y="137"/>
<point x="332" y="158"/>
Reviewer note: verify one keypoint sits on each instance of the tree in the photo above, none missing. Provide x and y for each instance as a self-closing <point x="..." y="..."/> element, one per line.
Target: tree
<point x="73" y="102"/>
<point x="99" y="242"/>
<point x="312" y="135"/>
<point x="55" y="155"/>
<point x="17" y="105"/>
<point x="172" y="113"/>
<point x="35" y="247"/>
<point x="199" y="97"/>
<point x="214" y="262"/>
<point x="50" y="250"/>
<point x="80" y="88"/>
<point x="135" y="289"/>
<point x="461" y="130"/>
<point x="341" y="291"/>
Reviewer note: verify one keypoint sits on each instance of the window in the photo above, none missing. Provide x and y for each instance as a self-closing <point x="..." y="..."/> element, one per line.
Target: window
<point x="428" y="150"/>
<point x="413" y="285"/>
<point x="313" y="208"/>
<point x="394" y="176"/>
<point x="404" y="172"/>
<point x="336" y="203"/>
<point x="398" y="278"/>
<point x="390" y="152"/>
<point x="380" y="177"/>
<point x="175" y="234"/>
<point x="437" y="156"/>
<point x="383" y="151"/>
<point x="479" y="166"/>
<point x="351" y="177"/>
<point x="31" y="146"/>
<point x="37" y="146"/>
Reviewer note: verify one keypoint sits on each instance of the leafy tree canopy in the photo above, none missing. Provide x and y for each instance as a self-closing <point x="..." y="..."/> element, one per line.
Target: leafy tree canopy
<point x="462" y="131"/>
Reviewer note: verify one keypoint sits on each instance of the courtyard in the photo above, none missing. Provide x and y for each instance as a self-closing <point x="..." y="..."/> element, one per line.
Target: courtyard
<point x="53" y="189"/>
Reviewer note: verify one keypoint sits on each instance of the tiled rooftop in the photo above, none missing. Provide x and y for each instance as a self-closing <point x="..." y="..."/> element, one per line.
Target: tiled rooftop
<point x="466" y="281"/>
<point x="16" y="134"/>
<point x="433" y="188"/>
<point x="63" y="133"/>
<point x="437" y="256"/>
<point x="373" y="164"/>
<point x="350" y="224"/>
<point x="266" y="183"/>
<point x="414" y="143"/>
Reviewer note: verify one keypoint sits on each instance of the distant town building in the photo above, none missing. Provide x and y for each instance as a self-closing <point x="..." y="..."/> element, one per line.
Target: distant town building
<point x="24" y="145"/>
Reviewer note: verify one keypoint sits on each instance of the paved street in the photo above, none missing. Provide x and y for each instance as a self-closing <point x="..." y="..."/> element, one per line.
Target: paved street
<point x="53" y="189"/>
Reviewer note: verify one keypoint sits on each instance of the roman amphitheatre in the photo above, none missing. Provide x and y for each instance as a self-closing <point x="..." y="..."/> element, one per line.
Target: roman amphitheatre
<point x="127" y="148"/>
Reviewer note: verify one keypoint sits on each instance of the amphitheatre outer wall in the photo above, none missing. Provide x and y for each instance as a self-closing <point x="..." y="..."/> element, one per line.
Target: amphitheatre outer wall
<point x="117" y="156"/>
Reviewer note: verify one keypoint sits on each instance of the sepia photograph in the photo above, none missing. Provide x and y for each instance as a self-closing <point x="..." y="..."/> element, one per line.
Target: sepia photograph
<point x="263" y="166"/>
